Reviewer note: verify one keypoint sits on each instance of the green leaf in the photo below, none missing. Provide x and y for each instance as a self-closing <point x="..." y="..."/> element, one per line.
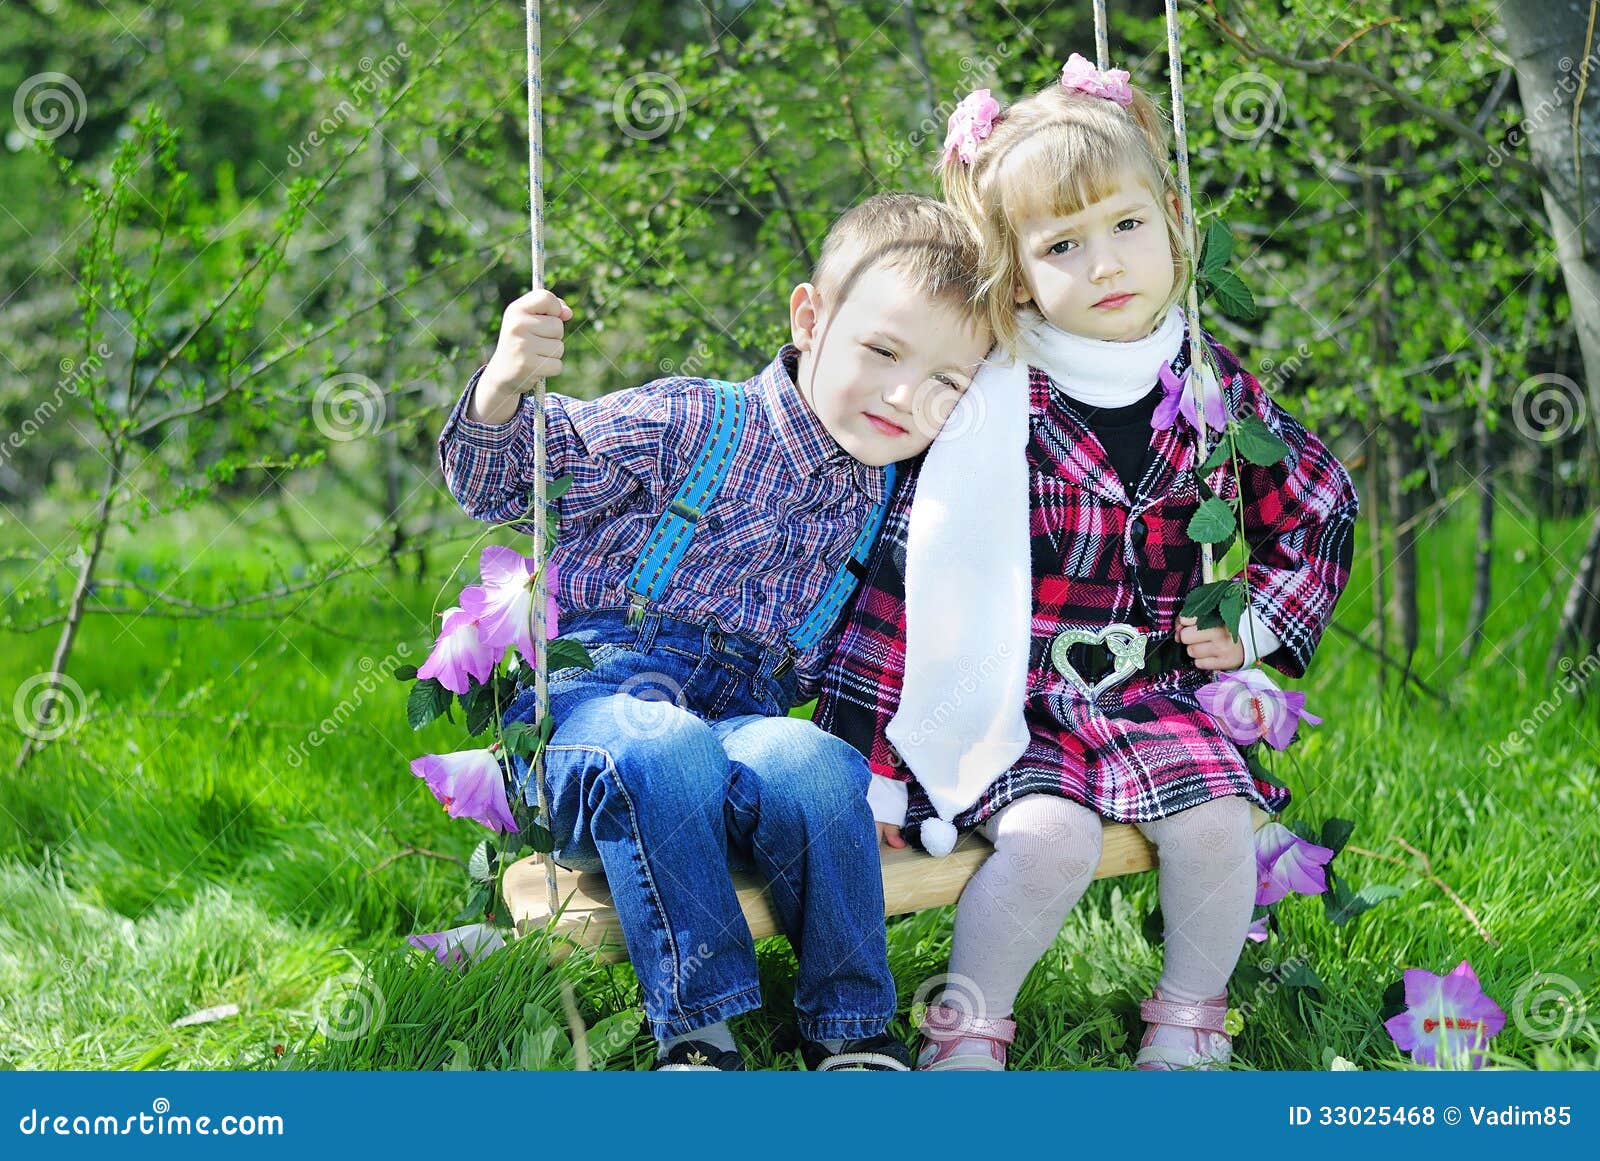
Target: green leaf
<point x="539" y="838"/>
<point x="1231" y="609"/>
<point x="482" y="863"/>
<point x="1257" y="443"/>
<point x="1258" y="769"/>
<point x="612" y="1034"/>
<point x="1232" y="296"/>
<point x="567" y="652"/>
<point x="428" y="699"/>
<point x="1335" y="833"/>
<point x="1374" y="893"/>
<point x="477" y="906"/>
<point x="405" y="672"/>
<point x="1219" y="454"/>
<point x="522" y="739"/>
<point x="1300" y="975"/>
<point x="557" y="488"/>
<point x="1203" y="599"/>
<point x="1216" y="249"/>
<point x="1212" y="522"/>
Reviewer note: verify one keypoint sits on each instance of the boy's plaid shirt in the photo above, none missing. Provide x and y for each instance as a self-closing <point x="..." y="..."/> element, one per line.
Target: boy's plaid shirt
<point x="766" y="549"/>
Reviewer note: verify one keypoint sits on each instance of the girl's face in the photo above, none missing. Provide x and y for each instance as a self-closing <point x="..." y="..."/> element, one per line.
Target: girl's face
<point x="1104" y="272"/>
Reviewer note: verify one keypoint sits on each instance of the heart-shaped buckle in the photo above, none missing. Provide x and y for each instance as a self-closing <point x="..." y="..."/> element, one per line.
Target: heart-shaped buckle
<point x="1127" y="652"/>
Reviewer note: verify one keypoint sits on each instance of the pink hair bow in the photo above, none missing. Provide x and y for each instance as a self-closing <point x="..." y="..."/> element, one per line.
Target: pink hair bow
<point x="1112" y="84"/>
<point x="972" y="121"/>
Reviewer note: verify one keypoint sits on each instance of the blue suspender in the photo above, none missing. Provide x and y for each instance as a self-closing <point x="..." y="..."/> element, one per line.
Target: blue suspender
<point x="816" y="626"/>
<point x="670" y="538"/>
<point x="673" y="531"/>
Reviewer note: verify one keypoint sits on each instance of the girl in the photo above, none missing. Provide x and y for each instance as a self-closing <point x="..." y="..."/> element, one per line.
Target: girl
<point x="1018" y="663"/>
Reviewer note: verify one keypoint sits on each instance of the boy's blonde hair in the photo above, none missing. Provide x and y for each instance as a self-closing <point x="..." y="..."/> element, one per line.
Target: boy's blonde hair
<point x="1053" y="154"/>
<point x="921" y="237"/>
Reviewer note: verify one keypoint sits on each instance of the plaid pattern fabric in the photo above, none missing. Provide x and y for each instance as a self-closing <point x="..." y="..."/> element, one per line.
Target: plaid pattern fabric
<point x="1146" y="749"/>
<point x="765" y="550"/>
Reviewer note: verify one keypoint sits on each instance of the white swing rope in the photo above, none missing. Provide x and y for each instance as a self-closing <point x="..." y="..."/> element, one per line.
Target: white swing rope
<point x="1192" y="311"/>
<point x="541" y="665"/>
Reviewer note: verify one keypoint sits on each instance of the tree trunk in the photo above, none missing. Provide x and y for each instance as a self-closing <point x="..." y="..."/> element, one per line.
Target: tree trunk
<point x="1483" y="553"/>
<point x="1546" y="40"/>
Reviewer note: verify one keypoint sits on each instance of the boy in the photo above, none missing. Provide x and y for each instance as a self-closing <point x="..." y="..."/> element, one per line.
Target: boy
<point x="706" y="546"/>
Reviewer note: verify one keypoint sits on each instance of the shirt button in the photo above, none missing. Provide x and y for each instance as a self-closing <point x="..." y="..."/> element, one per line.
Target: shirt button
<point x="761" y="598"/>
<point x="1138" y="531"/>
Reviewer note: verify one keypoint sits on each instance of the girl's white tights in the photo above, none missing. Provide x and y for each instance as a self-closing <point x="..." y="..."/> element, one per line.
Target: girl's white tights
<point x="1046" y="849"/>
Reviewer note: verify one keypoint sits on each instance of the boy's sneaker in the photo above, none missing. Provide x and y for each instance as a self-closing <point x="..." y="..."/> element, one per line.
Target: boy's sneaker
<point x="880" y="1053"/>
<point x="698" y="1056"/>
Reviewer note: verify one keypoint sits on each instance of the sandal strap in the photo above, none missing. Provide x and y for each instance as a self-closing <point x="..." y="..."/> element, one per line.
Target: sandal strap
<point x="942" y="1023"/>
<point x="1209" y="1015"/>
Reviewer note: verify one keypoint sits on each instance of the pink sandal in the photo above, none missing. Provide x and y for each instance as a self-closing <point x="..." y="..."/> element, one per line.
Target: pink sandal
<point x="1213" y="1046"/>
<point x="943" y="1031"/>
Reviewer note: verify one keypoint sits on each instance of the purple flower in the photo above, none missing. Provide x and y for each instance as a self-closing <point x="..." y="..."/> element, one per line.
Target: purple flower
<point x="460" y="945"/>
<point x="1177" y="399"/>
<point x="1286" y="862"/>
<point x="503" y="604"/>
<point x="1448" y="1019"/>
<point x="470" y="784"/>
<point x="972" y="121"/>
<point x="1258" y="931"/>
<point x="1250" y="707"/>
<point x="459" y="655"/>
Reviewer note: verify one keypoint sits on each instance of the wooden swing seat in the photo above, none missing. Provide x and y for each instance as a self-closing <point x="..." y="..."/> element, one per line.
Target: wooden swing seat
<point x="912" y="881"/>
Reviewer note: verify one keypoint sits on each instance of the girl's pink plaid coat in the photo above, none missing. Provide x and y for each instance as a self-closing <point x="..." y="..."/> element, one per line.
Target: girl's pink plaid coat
<point x="1145" y="749"/>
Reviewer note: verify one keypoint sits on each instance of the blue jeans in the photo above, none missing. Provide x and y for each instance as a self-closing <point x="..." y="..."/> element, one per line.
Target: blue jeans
<point x="672" y="763"/>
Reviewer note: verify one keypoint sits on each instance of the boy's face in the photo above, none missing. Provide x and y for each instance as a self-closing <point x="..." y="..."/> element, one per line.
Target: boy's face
<point x="1103" y="272"/>
<point x="883" y="366"/>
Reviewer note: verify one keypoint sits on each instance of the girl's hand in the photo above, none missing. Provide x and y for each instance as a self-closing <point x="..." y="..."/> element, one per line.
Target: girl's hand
<point x="890" y="834"/>
<point x="530" y="346"/>
<point x="1210" y="648"/>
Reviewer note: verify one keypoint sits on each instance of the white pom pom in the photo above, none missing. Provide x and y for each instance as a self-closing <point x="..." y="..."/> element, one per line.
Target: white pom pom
<point x="938" y="837"/>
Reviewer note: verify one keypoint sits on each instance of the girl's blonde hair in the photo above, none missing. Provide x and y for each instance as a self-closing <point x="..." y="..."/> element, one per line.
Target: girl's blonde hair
<point x="1053" y="154"/>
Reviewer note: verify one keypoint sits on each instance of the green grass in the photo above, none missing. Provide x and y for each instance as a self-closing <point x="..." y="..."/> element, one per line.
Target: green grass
<point x="152" y="866"/>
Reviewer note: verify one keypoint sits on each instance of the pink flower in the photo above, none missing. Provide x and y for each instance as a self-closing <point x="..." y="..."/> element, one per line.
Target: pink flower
<point x="459" y="655"/>
<point x="460" y="945"/>
<point x="1177" y="399"/>
<point x="1447" y="1018"/>
<point x="1285" y="862"/>
<point x="470" y="784"/>
<point x="1078" y="73"/>
<point x="972" y="121"/>
<point x="503" y="604"/>
<point x="1251" y="708"/>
